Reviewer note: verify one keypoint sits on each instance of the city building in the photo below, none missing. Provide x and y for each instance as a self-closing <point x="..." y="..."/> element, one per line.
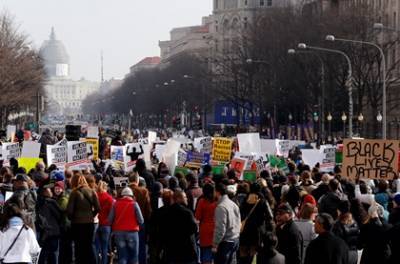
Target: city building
<point x="146" y="63"/>
<point x="62" y="92"/>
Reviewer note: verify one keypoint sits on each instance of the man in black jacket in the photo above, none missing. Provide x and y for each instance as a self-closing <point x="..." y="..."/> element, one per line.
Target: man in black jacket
<point x="290" y="241"/>
<point x="178" y="232"/>
<point x="326" y="248"/>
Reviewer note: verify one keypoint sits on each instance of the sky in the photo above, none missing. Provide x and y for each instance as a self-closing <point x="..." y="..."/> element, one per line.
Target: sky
<point x="125" y="30"/>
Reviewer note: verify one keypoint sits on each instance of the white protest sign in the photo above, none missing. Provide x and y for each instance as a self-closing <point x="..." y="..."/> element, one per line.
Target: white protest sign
<point x="170" y="155"/>
<point x="268" y="146"/>
<point x="62" y="142"/>
<point x="203" y="144"/>
<point x="10" y="150"/>
<point x="118" y="157"/>
<point x="260" y="159"/>
<point x="182" y="156"/>
<point x="152" y="136"/>
<point x="134" y="151"/>
<point x="159" y="150"/>
<point x="77" y="158"/>
<point x="311" y="157"/>
<point x="57" y="155"/>
<point x="120" y="181"/>
<point x="11" y="130"/>
<point x="282" y="148"/>
<point x="30" y="149"/>
<point x="92" y="132"/>
<point x="249" y="142"/>
<point x="328" y="158"/>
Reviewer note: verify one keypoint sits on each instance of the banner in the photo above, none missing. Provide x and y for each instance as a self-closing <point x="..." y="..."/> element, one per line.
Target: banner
<point x="10" y="150"/>
<point x="222" y="149"/>
<point x="249" y="142"/>
<point x="197" y="159"/>
<point x="57" y="155"/>
<point x="77" y="158"/>
<point x="203" y="144"/>
<point x="370" y="159"/>
<point x="92" y="132"/>
<point x="92" y="148"/>
<point x="30" y="149"/>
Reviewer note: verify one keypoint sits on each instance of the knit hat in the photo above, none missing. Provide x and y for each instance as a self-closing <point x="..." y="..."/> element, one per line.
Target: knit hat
<point x="309" y="199"/>
<point x="127" y="192"/>
<point x="60" y="184"/>
<point x="57" y="175"/>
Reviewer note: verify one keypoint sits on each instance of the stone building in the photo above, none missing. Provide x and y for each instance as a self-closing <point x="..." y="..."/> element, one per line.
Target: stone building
<point x="62" y="92"/>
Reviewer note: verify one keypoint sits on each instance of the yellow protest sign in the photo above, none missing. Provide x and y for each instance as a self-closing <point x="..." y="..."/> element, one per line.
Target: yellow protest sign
<point x="222" y="149"/>
<point x="370" y="159"/>
<point x="28" y="163"/>
<point x="93" y="148"/>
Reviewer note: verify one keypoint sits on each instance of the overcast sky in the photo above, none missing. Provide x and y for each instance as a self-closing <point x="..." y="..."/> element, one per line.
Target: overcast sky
<point x="126" y="30"/>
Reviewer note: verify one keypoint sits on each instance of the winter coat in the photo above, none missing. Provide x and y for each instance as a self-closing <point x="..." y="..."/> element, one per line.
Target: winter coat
<point x="394" y="238"/>
<point x="83" y="206"/>
<point x="374" y="239"/>
<point x="205" y="214"/>
<point x="290" y="242"/>
<point x="327" y="248"/>
<point x="48" y="219"/>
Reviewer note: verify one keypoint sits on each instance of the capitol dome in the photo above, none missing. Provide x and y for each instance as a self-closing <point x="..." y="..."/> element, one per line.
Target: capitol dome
<point x="55" y="57"/>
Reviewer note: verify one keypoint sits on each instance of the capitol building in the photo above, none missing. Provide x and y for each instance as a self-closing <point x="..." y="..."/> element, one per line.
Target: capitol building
<point x="64" y="94"/>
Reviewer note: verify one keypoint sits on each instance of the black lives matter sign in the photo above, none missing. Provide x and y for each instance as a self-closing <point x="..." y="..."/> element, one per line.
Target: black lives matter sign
<point x="370" y="159"/>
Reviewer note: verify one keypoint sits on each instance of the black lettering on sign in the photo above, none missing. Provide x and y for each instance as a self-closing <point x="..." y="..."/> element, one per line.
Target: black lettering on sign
<point x="372" y="159"/>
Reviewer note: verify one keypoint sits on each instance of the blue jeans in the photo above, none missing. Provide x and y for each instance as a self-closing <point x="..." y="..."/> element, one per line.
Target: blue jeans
<point x="49" y="252"/>
<point x="102" y="242"/>
<point x="127" y="246"/>
<point x="226" y="252"/>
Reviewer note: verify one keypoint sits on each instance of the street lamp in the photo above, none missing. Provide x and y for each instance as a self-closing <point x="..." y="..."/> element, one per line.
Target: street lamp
<point x="360" y="120"/>
<point x="379" y="117"/>
<point x="344" y="118"/>
<point x="303" y="46"/>
<point x="329" y="118"/>
<point x="383" y="65"/>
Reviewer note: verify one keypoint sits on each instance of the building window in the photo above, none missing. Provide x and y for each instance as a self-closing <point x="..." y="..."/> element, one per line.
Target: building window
<point x="245" y="2"/>
<point x="269" y="2"/>
<point x="216" y="4"/>
<point x="261" y="2"/>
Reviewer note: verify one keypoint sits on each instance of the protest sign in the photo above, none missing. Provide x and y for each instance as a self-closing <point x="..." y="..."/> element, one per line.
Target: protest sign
<point x="203" y="144"/>
<point x="311" y="157"/>
<point x="11" y="130"/>
<point x="268" y="146"/>
<point x="182" y="170"/>
<point x="120" y="182"/>
<point x="282" y="147"/>
<point x="250" y="175"/>
<point x="249" y="157"/>
<point x="170" y="155"/>
<point x="218" y="170"/>
<point x="57" y="155"/>
<point x="222" y="149"/>
<point x="249" y="142"/>
<point x="370" y="159"/>
<point x="277" y="162"/>
<point x="10" y="150"/>
<point x="182" y="155"/>
<point x="117" y="154"/>
<point x="28" y="163"/>
<point x="339" y="154"/>
<point x="328" y="158"/>
<point x="259" y="161"/>
<point x="239" y="165"/>
<point x="62" y="142"/>
<point x="30" y="149"/>
<point x="159" y="150"/>
<point x="92" y="132"/>
<point x="152" y="137"/>
<point x="77" y="158"/>
<point x="197" y="159"/>
<point x="92" y="148"/>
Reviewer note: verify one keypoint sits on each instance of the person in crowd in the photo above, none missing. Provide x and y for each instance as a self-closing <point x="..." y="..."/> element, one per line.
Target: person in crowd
<point x="290" y="242"/>
<point x="48" y="225"/>
<point x="326" y="248"/>
<point x="305" y="224"/>
<point x="322" y="187"/>
<point x="60" y="196"/>
<point x="83" y="206"/>
<point x="25" y="198"/>
<point x="178" y="233"/>
<point x="17" y="239"/>
<point x="91" y="180"/>
<point x="193" y="191"/>
<point x="382" y="196"/>
<point x="268" y="253"/>
<point x="156" y="244"/>
<point x="205" y="214"/>
<point x="330" y="202"/>
<point x="374" y="238"/>
<point x="227" y="227"/>
<point x="257" y="218"/>
<point x="394" y="217"/>
<point x="144" y="173"/>
<point x="347" y="229"/>
<point x="142" y="197"/>
<point x="126" y="218"/>
<point x="156" y="195"/>
<point x="104" y="231"/>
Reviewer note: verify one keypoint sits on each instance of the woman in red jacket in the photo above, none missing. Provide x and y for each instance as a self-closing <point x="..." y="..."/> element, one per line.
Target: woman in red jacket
<point x="126" y="218"/>
<point x="104" y="230"/>
<point x="205" y="215"/>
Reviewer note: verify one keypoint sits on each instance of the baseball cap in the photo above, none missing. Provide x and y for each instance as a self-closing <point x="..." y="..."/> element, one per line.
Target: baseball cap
<point x="127" y="192"/>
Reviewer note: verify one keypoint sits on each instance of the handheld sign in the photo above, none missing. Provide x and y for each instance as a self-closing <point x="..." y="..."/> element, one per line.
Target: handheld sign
<point x="57" y="155"/>
<point x="370" y="159"/>
<point x="222" y="149"/>
<point x="77" y="156"/>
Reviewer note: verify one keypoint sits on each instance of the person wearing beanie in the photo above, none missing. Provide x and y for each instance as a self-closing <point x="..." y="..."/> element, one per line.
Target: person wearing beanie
<point x="289" y="236"/>
<point x="125" y="218"/>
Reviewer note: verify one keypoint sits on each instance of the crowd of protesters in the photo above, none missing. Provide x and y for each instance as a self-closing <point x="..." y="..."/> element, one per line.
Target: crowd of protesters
<point x="303" y="216"/>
